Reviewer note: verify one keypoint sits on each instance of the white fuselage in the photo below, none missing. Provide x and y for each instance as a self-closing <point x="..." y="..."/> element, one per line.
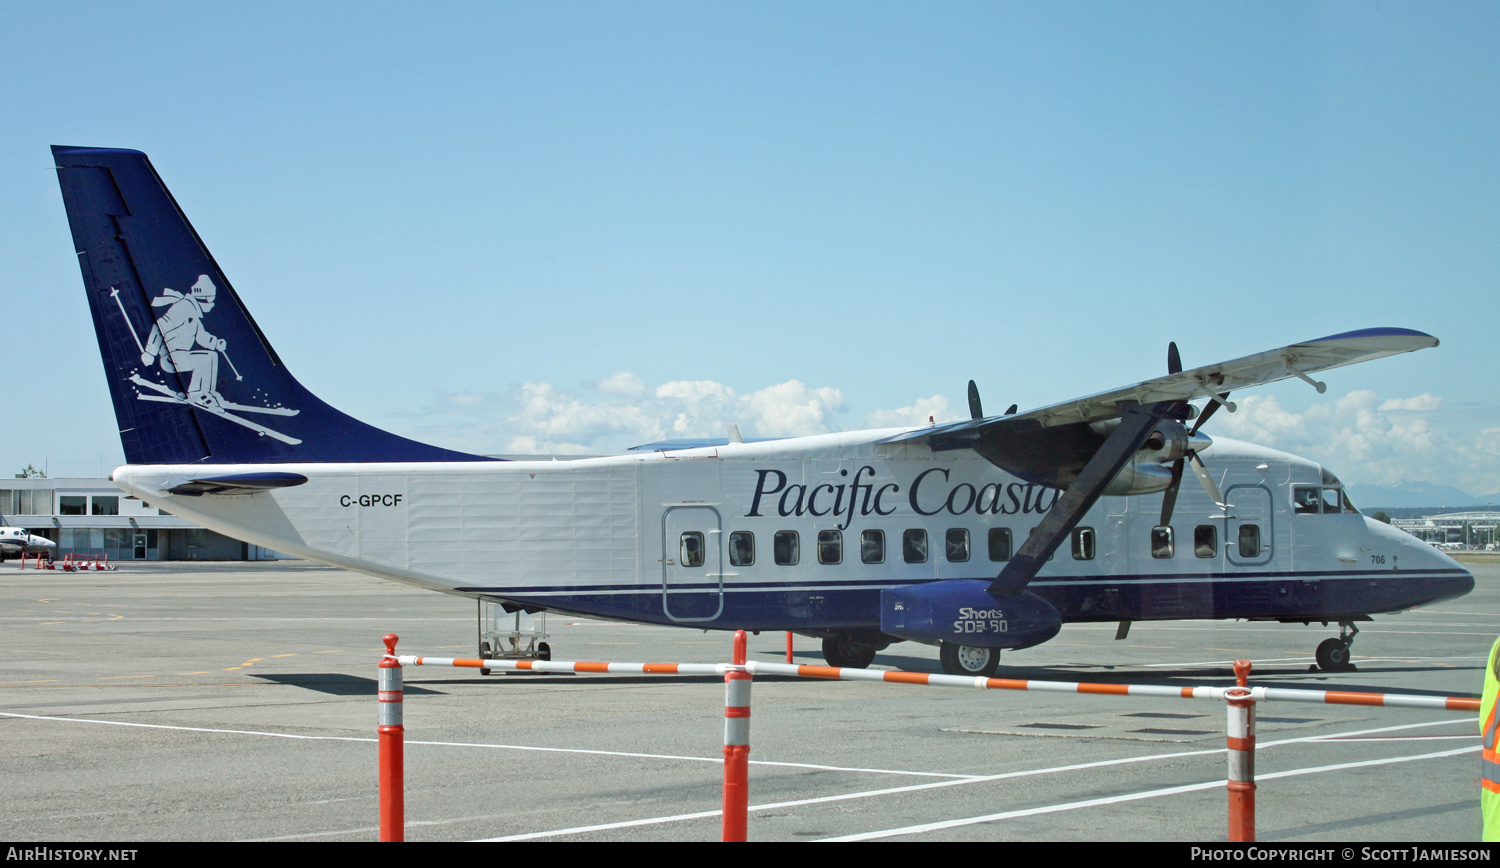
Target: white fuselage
<point x="662" y="536"/>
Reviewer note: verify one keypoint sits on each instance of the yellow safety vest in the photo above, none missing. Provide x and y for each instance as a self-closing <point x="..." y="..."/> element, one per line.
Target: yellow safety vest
<point x="1489" y="781"/>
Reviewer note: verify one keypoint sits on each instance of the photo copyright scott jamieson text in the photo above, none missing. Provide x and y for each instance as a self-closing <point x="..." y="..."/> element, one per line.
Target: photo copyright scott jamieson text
<point x="66" y="854"/>
<point x="1339" y="854"/>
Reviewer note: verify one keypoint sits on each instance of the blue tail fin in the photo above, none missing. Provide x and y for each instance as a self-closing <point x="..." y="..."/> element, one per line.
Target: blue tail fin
<point x="192" y="377"/>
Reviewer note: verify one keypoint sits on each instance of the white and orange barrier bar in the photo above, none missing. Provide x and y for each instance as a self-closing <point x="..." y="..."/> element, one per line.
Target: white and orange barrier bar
<point x="897" y="676"/>
<point x="1240" y="700"/>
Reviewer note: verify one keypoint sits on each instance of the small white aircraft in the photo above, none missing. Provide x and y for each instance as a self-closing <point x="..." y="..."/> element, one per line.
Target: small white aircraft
<point x="18" y="540"/>
<point x="941" y="534"/>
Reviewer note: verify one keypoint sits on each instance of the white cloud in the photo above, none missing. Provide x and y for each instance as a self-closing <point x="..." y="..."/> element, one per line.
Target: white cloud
<point x="616" y="412"/>
<point x="1422" y="403"/>
<point x="1366" y="440"/>
<point x="935" y="408"/>
<point x="1363" y="438"/>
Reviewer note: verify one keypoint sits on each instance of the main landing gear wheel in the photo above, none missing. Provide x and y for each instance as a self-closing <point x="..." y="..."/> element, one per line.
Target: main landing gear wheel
<point x="846" y="651"/>
<point x="969" y="659"/>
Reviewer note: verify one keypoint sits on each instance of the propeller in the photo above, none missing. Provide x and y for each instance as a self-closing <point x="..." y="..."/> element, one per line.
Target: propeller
<point x="1169" y="497"/>
<point x="976" y="409"/>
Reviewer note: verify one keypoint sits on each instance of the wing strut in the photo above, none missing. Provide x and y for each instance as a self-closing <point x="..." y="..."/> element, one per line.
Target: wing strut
<point x="1136" y="425"/>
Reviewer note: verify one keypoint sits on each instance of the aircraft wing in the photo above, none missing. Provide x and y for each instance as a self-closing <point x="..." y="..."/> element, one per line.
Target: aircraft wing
<point x="1062" y="446"/>
<point x="1298" y="360"/>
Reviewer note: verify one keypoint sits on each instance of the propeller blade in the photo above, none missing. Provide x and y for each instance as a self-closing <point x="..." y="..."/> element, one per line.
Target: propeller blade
<point x="976" y="411"/>
<point x="1208" y="481"/>
<point x="1169" y="497"/>
<point x="1207" y="412"/>
<point x="1174" y="361"/>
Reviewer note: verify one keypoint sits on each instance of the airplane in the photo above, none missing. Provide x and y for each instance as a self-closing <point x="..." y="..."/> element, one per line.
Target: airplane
<point x="18" y="540"/>
<point x="976" y="536"/>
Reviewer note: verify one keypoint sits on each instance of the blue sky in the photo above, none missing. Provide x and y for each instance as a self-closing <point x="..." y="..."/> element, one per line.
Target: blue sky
<point x="520" y="226"/>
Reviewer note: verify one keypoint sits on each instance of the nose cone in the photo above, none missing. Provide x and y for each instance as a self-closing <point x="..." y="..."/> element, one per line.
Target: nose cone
<point x="1445" y="578"/>
<point x="1457" y="584"/>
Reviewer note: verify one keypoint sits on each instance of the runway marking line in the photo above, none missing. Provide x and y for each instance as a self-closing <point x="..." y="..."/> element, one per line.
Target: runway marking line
<point x="529" y="748"/>
<point x="979" y="779"/>
<point x="953" y="780"/>
<point x="1144" y="794"/>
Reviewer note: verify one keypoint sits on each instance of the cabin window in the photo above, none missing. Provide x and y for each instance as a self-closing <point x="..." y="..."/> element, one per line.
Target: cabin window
<point x="691" y="549"/>
<point x="1249" y="541"/>
<point x="107" y="504"/>
<point x="788" y="548"/>
<point x="872" y="547"/>
<point x="1161" y="542"/>
<point x="71" y="505"/>
<point x="957" y="544"/>
<point x="742" y="548"/>
<point x="1205" y="540"/>
<point x="914" y="546"/>
<point x="830" y="547"/>
<point x="1331" y="505"/>
<point x="1083" y="543"/>
<point x="1306" y="500"/>
<point x="999" y="543"/>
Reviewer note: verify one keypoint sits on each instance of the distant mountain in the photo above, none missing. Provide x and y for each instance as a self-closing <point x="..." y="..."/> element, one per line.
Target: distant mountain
<point x="1413" y="495"/>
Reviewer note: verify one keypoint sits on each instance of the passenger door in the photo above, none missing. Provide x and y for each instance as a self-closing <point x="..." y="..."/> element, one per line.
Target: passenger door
<point x="692" y="563"/>
<point x="1247" y="525"/>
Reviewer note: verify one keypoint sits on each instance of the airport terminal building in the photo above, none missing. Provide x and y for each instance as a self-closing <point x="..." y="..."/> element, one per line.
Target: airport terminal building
<point x="89" y="516"/>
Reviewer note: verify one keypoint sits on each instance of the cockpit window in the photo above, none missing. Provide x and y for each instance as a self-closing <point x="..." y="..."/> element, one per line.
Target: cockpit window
<point x="1328" y="500"/>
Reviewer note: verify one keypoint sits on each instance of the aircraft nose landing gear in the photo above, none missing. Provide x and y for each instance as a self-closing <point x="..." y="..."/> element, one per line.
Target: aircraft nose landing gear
<point x="1333" y="654"/>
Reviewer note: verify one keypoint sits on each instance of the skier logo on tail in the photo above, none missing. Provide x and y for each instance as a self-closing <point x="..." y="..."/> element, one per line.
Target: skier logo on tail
<point x="181" y="344"/>
<point x="177" y="334"/>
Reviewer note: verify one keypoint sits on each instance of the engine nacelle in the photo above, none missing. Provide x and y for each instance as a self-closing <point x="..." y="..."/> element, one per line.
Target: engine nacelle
<point x="1140" y="475"/>
<point x="962" y="611"/>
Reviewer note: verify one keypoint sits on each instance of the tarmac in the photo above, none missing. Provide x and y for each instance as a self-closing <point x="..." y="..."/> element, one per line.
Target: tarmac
<point x="236" y="702"/>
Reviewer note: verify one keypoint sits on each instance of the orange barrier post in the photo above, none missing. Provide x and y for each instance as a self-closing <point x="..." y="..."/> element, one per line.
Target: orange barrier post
<point x="737" y="744"/>
<point x="1241" y="756"/>
<point x="789" y="646"/>
<point x="392" y="738"/>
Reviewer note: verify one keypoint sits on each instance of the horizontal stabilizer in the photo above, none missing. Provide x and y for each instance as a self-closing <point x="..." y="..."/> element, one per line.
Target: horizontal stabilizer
<point x="234" y="483"/>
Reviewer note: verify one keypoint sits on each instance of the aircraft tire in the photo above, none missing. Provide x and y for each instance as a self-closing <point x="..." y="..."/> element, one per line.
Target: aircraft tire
<point x="1333" y="656"/>
<point x="543" y="651"/>
<point x="969" y="659"/>
<point x="845" y="651"/>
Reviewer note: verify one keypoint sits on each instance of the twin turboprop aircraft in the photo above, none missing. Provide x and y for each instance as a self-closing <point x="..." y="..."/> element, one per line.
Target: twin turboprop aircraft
<point x="19" y="540"/>
<point x="975" y="536"/>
